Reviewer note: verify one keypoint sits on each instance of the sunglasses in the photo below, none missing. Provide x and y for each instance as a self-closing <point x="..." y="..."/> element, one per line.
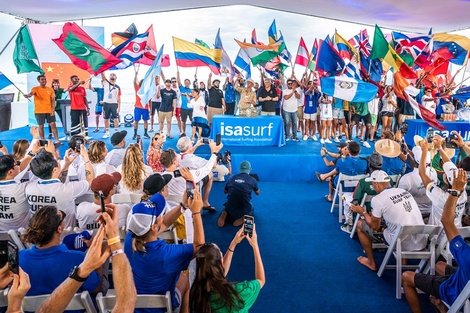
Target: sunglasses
<point x="174" y="81"/>
<point x="62" y="218"/>
<point x="156" y="138"/>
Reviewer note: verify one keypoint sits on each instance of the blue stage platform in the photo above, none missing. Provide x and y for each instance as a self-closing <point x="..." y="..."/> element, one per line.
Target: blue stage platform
<point x="295" y="161"/>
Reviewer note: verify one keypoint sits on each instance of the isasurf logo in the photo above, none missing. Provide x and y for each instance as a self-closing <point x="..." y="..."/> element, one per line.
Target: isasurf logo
<point x="250" y="131"/>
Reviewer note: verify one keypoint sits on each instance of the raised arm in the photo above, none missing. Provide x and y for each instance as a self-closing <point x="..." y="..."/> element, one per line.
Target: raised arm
<point x="259" y="267"/>
<point x="422" y="164"/>
<point x="448" y="215"/>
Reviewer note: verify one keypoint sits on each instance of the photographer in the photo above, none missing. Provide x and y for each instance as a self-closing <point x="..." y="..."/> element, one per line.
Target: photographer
<point x="220" y="170"/>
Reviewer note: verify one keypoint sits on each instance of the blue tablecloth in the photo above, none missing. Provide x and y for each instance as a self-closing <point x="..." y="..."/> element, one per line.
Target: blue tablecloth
<point x="419" y="127"/>
<point x="249" y="131"/>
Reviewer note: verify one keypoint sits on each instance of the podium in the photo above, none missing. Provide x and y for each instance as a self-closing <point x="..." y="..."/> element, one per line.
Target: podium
<point x="5" y="110"/>
<point x="66" y="119"/>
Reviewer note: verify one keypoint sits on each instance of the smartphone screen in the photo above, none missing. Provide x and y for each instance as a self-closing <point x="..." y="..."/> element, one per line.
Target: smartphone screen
<point x="190" y="189"/>
<point x="430" y="134"/>
<point x="3" y="252"/>
<point x="176" y="173"/>
<point x="78" y="143"/>
<point x="103" y="208"/>
<point x="217" y="139"/>
<point x="248" y="225"/>
<point x="205" y="141"/>
<point x="42" y="143"/>
<point x="13" y="261"/>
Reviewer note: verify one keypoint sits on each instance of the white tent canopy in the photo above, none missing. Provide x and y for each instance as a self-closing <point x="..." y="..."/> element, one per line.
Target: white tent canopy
<point x="416" y="16"/>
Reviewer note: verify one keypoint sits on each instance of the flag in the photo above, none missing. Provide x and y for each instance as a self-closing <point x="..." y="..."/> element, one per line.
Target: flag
<point x="118" y="38"/>
<point x="302" y="54"/>
<point x="364" y="46"/>
<point x="313" y="56"/>
<point x="254" y="40"/>
<point x="348" y="89"/>
<point x="403" y="89"/>
<point x="201" y="43"/>
<point x="130" y="51"/>
<point x="381" y="49"/>
<point x="188" y="54"/>
<point x="242" y="61"/>
<point x="148" y="88"/>
<point x="259" y="53"/>
<point x="353" y="69"/>
<point x="24" y="55"/>
<point x="328" y="39"/>
<point x="354" y="41"/>
<point x="225" y="63"/>
<point x="4" y="81"/>
<point x="62" y="72"/>
<point x="345" y="49"/>
<point x="272" y="33"/>
<point x="151" y="51"/>
<point x="283" y="52"/>
<point x="329" y="62"/>
<point x="400" y="40"/>
<point x="83" y="51"/>
<point x="438" y="67"/>
<point x="451" y="47"/>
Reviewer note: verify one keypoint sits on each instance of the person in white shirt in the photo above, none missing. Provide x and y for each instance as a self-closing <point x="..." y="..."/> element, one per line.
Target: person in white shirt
<point x="289" y="109"/>
<point x="389" y="101"/>
<point x="155" y="102"/>
<point x="428" y="101"/>
<point x="133" y="170"/>
<point x="88" y="212"/>
<point x="326" y="117"/>
<point x="116" y="155"/>
<point x="199" y="122"/>
<point x="49" y="190"/>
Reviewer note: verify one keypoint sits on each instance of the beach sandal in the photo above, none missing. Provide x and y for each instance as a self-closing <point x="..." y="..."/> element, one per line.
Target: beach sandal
<point x="319" y="177"/>
<point x="327" y="198"/>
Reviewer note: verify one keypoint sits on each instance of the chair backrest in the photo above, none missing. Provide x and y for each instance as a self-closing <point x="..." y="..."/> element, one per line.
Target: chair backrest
<point x="350" y="180"/>
<point x="169" y="235"/>
<point x="80" y="301"/>
<point x="107" y="303"/>
<point x="14" y="236"/>
<point x="461" y="300"/>
<point x="395" y="179"/>
<point x="126" y="198"/>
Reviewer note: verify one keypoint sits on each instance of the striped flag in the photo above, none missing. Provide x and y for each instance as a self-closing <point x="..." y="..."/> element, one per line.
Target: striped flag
<point x="348" y="89"/>
<point x="259" y="53"/>
<point x="148" y="88"/>
<point x="313" y="56"/>
<point x="302" y="54"/>
<point x="225" y="63"/>
<point x="243" y="62"/>
<point x="130" y="51"/>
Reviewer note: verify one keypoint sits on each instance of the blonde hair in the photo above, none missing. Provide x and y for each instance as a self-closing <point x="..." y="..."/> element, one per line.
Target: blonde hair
<point x="96" y="151"/>
<point x="19" y="149"/>
<point x="133" y="168"/>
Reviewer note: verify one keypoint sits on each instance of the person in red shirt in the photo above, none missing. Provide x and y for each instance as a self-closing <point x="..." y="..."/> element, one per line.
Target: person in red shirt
<point x="79" y="109"/>
<point x="141" y="110"/>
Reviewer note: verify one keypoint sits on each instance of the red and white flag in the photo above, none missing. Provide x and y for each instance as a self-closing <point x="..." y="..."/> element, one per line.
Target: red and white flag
<point x="151" y="51"/>
<point x="302" y="54"/>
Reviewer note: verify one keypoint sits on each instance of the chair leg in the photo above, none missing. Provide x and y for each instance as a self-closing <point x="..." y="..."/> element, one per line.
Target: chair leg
<point x="334" y="199"/>
<point x="353" y="232"/>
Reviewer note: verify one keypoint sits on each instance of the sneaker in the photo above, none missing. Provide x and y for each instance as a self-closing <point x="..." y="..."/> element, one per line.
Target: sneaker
<point x="146" y="136"/>
<point x="50" y="136"/>
<point x="366" y="144"/>
<point x="151" y="130"/>
<point x="328" y="141"/>
<point x="348" y="141"/>
<point x="287" y="138"/>
<point x="336" y="139"/>
<point x="96" y="130"/>
<point x="361" y="140"/>
<point x="182" y="135"/>
<point x="295" y="139"/>
<point x="305" y="137"/>
<point x="106" y="134"/>
<point x="315" y="138"/>
<point x="134" y="137"/>
<point x="322" y="140"/>
<point x="116" y="130"/>
<point x="347" y="228"/>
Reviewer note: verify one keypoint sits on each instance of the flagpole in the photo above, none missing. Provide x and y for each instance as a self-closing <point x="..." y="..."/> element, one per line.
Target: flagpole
<point x="11" y="39"/>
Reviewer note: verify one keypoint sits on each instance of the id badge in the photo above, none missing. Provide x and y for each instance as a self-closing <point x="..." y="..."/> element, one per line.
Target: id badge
<point x="310" y="103"/>
<point x="110" y="96"/>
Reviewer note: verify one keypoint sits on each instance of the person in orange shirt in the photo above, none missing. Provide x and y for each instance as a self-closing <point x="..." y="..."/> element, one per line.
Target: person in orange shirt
<point x="44" y="105"/>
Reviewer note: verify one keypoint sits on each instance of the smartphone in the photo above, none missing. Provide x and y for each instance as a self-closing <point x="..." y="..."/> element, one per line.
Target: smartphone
<point x="217" y="139"/>
<point x="3" y="250"/>
<point x="205" y="141"/>
<point x="190" y="189"/>
<point x="177" y="173"/>
<point x="13" y="261"/>
<point x="138" y="139"/>
<point x="103" y="207"/>
<point x="78" y="143"/>
<point x="42" y="143"/>
<point x="355" y="202"/>
<point x="248" y="222"/>
<point x="430" y="134"/>
<point x="449" y="144"/>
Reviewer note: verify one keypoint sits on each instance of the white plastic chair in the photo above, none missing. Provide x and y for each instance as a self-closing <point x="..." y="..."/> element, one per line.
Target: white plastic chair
<point x="344" y="181"/>
<point x="80" y="301"/>
<point x="461" y="301"/>
<point x="365" y="199"/>
<point x="107" y="303"/>
<point x="170" y="235"/>
<point x="426" y="255"/>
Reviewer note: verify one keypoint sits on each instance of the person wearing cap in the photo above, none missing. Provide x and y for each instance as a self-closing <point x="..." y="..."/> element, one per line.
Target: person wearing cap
<point x="111" y="102"/>
<point x="238" y="189"/>
<point x="267" y="97"/>
<point x="157" y="266"/>
<point x="87" y="215"/>
<point x="247" y="104"/>
<point x="289" y="109"/>
<point x="413" y="183"/>
<point x="437" y="195"/>
<point x="175" y="84"/>
<point x="167" y="107"/>
<point x="216" y="105"/>
<point x="363" y="187"/>
<point x="116" y="155"/>
<point x="395" y="206"/>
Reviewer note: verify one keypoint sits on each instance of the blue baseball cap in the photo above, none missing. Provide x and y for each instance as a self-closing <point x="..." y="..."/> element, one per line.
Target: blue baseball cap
<point x="144" y="214"/>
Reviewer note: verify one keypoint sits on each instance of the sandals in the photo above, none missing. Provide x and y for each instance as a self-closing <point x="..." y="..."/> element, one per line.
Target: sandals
<point x="327" y="198"/>
<point x="319" y="177"/>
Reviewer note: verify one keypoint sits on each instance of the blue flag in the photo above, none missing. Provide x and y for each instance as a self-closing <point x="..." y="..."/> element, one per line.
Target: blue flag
<point x="348" y="89"/>
<point x="4" y="81"/>
<point x="148" y="88"/>
<point x="328" y="60"/>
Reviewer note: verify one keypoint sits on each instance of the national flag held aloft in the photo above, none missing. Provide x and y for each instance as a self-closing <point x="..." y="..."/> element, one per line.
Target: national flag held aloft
<point x="4" y="81"/>
<point x="24" y="55"/>
<point x="83" y="51"/>
<point x="259" y="53"/>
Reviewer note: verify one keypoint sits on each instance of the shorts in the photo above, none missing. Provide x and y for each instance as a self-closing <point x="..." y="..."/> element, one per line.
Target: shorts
<point x="155" y="107"/>
<point x="312" y="117"/>
<point x="373" y="119"/>
<point x="300" y="113"/>
<point x="110" y="111"/>
<point x="429" y="284"/>
<point x="177" y="112"/>
<point x="98" y="109"/>
<point x="375" y="236"/>
<point x="365" y="118"/>
<point x="213" y="111"/>
<point x="338" y="113"/>
<point x="185" y="113"/>
<point x="141" y="114"/>
<point x="41" y="118"/>
<point x="387" y="114"/>
<point x="403" y="117"/>
<point x="322" y="118"/>
<point x="162" y="116"/>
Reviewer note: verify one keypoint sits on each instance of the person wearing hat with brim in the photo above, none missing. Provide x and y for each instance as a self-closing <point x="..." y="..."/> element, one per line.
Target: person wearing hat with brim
<point x="238" y="189"/>
<point x="437" y="195"/>
<point x="394" y="206"/>
<point x="157" y="266"/>
<point x="413" y="183"/>
<point x="216" y="105"/>
<point x="116" y="155"/>
<point x="247" y="103"/>
<point x="393" y="158"/>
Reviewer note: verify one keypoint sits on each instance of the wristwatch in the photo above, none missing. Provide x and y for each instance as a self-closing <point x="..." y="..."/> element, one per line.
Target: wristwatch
<point x="454" y="192"/>
<point x="74" y="275"/>
<point x="31" y="154"/>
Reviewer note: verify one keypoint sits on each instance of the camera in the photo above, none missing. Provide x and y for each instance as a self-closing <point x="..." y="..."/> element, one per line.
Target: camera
<point x="205" y="141"/>
<point x="403" y="128"/>
<point x="449" y="143"/>
<point x="42" y="143"/>
<point x="138" y="139"/>
<point x="8" y="253"/>
<point x="355" y="202"/>
<point x="227" y="157"/>
<point x="78" y="143"/>
<point x="248" y="222"/>
<point x="190" y="189"/>
<point x="429" y="135"/>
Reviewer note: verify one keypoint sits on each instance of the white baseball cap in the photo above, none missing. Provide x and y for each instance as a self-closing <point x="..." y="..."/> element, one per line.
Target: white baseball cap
<point x="378" y="177"/>
<point x="449" y="169"/>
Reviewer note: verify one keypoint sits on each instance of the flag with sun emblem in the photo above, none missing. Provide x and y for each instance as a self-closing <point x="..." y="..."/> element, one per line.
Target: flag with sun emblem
<point x="130" y="51"/>
<point x="347" y="88"/>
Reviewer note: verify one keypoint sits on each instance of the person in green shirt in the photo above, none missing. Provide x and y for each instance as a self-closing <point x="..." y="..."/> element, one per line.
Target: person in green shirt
<point x="58" y="95"/>
<point x="360" y="111"/>
<point x="211" y="292"/>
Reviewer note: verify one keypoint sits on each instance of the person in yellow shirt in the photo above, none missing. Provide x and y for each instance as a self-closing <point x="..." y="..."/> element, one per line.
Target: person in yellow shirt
<point x="44" y="105"/>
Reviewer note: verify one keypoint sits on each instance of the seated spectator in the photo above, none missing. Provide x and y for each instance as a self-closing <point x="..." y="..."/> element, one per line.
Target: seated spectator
<point x="154" y="151"/>
<point x="413" y="183"/>
<point x="133" y="170"/>
<point x="20" y="148"/>
<point x="390" y="151"/>
<point x="443" y="287"/>
<point x="194" y="162"/>
<point x="157" y="266"/>
<point x="48" y="262"/>
<point x="238" y="190"/>
<point x="403" y="210"/>
<point x="49" y="190"/>
<point x="343" y="151"/>
<point x="97" y="152"/>
<point x="116" y="155"/>
<point x="87" y="212"/>
<point x="211" y="290"/>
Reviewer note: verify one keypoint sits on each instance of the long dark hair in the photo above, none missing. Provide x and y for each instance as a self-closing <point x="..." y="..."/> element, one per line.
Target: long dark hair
<point x="211" y="281"/>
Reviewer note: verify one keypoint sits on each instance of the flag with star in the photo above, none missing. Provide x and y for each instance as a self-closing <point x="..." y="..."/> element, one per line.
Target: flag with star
<point x="62" y="72"/>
